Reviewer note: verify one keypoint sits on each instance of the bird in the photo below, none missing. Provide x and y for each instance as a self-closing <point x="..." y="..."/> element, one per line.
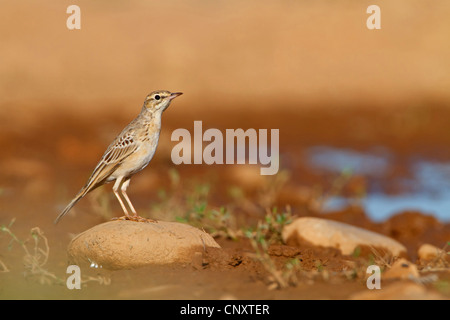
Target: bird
<point x="130" y="152"/>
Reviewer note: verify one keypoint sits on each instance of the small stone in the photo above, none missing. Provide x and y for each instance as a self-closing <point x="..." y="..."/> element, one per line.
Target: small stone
<point x="402" y="269"/>
<point x="125" y="244"/>
<point x="346" y="238"/>
<point x="429" y="252"/>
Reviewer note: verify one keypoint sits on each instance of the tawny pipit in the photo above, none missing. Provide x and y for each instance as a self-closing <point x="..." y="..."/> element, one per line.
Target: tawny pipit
<point x="129" y="153"/>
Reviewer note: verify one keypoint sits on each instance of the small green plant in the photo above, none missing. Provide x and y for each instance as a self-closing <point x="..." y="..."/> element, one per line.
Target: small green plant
<point x="271" y="227"/>
<point x="291" y="269"/>
<point x="35" y="257"/>
<point x="218" y="222"/>
<point x="268" y="231"/>
<point x="222" y="223"/>
<point x="260" y="246"/>
<point x="357" y="252"/>
<point x="319" y="266"/>
<point x="191" y="205"/>
<point x="278" y="278"/>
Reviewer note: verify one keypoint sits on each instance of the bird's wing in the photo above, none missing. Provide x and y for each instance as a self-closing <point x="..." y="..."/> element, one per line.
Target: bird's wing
<point x="122" y="147"/>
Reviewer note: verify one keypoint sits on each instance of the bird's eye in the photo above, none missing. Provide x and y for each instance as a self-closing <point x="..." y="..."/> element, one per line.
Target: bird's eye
<point x="157" y="97"/>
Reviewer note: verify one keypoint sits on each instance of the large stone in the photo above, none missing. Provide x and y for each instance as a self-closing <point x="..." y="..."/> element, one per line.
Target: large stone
<point x="128" y="244"/>
<point x="346" y="238"/>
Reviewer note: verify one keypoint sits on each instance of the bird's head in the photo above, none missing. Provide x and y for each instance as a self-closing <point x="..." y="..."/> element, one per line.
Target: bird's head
<point x="160" y="100"/>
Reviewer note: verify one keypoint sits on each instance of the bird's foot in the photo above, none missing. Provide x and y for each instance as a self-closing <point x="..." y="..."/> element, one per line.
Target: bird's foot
<point x="135" y="218"/>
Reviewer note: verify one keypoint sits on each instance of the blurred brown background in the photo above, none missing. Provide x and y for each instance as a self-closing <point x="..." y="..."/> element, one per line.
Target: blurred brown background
<point x="222" y="54"/>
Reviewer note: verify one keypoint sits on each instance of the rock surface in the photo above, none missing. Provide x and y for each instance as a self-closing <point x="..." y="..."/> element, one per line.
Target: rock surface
<point x="429" y="252"/>
<point x="127" y="244"/>
<point x="346" y="238"/>
<point x="402" y="269"/>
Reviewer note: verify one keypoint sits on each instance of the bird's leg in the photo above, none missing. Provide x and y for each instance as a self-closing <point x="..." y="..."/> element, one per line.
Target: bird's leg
<point x="135" y="216"/>
<point x="124" y="193"/>
<point x="116" y="192"/>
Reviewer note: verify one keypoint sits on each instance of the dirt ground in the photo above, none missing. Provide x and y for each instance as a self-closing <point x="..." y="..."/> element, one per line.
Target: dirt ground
<point x="49" y="162"/>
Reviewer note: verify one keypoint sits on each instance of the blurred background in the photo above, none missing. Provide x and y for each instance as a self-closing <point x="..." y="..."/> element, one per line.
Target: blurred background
<point x="227" y="54"/>
<point x="372" y="103"/>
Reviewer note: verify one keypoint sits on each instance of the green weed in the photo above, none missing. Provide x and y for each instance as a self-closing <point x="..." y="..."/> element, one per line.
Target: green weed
<point x="268" y="231"/>
<point x="36" y="254"/>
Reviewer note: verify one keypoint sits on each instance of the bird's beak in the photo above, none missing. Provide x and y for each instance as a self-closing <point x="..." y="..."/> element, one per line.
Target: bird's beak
<point x="174" y="95"/>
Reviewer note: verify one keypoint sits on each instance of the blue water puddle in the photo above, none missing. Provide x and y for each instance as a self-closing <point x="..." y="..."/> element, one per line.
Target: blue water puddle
<point x="380" y="207"/>
<point x="337" y="160"/>
<point x="433" y="177"/>
<point x="428" y="183"/>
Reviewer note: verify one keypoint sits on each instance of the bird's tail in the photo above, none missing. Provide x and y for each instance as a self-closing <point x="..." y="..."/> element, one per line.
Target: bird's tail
<point x="74" y="201"/>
